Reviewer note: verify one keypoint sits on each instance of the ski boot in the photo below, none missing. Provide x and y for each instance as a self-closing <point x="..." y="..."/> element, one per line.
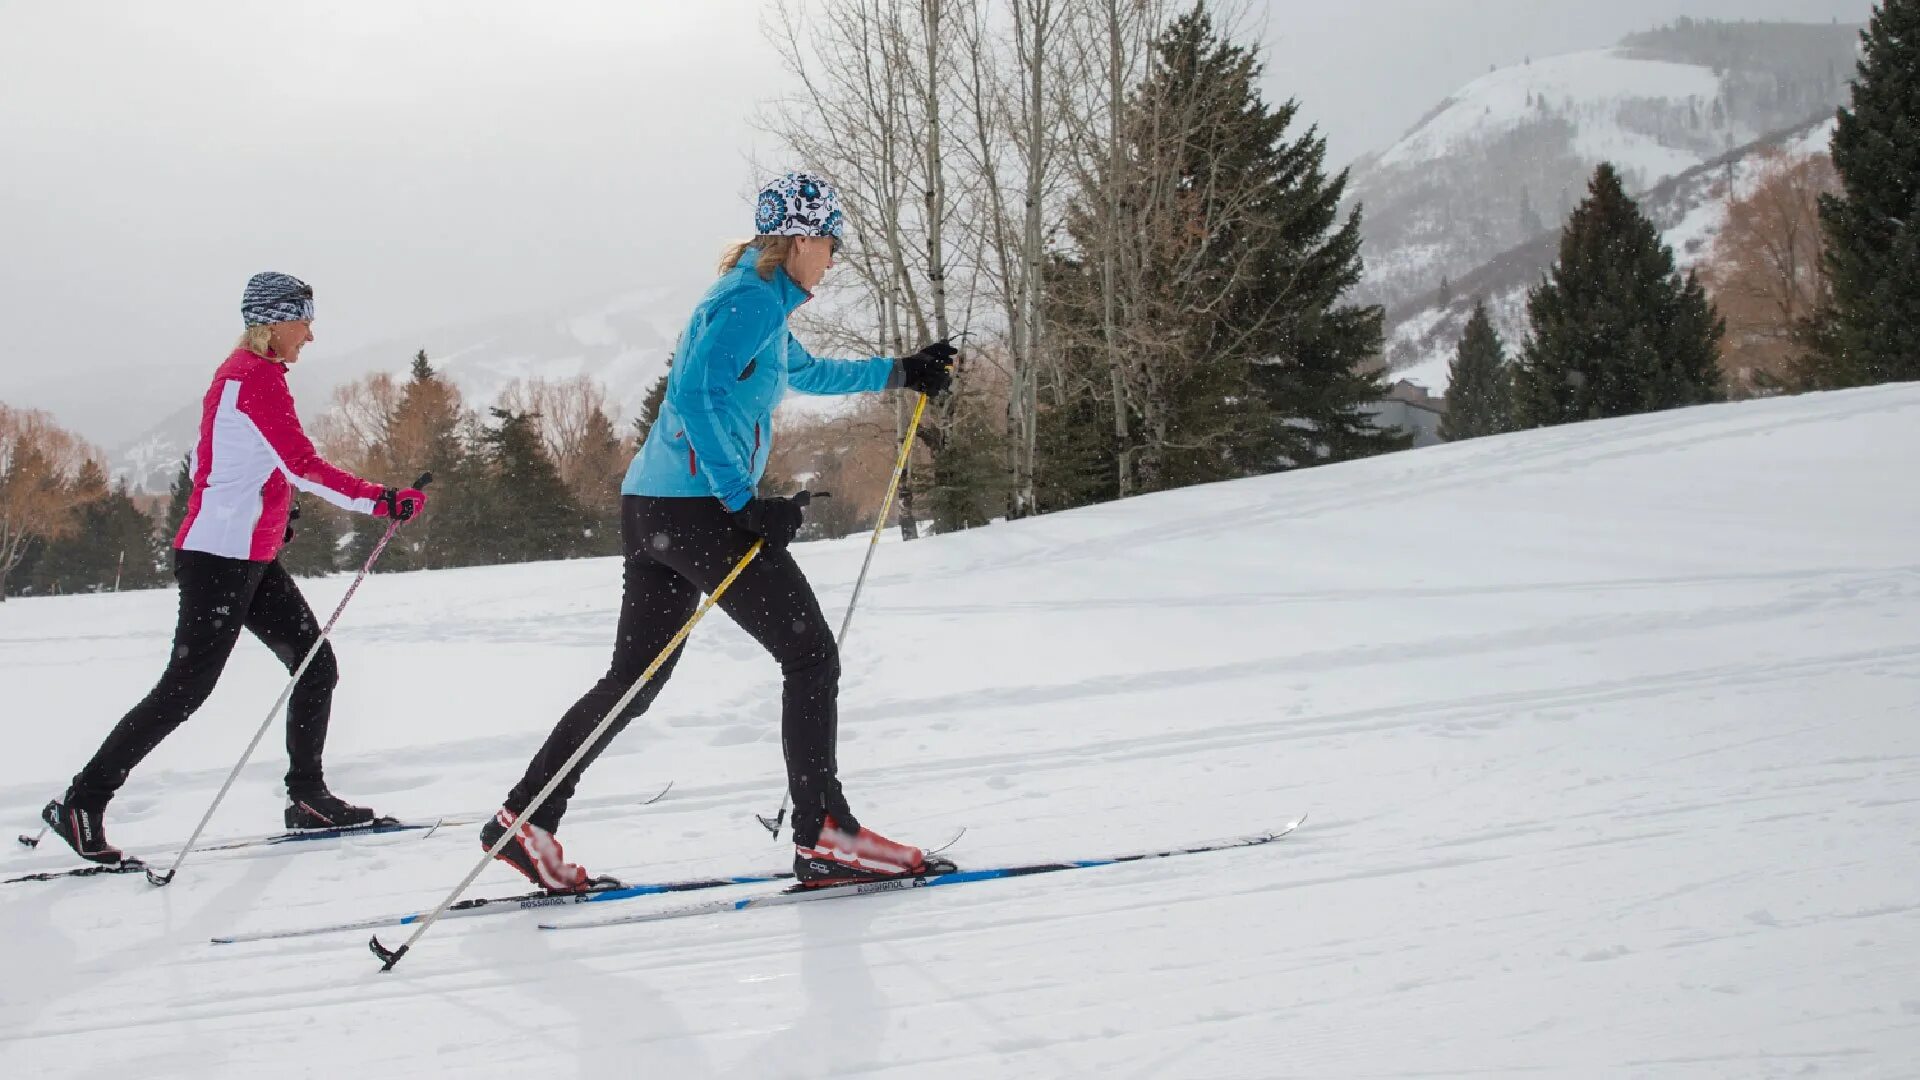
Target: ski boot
<point x="842" y="857"/>
<point x="536" y="853"/>
<point x="322" y="809"/>
<point x="84" y="830"/>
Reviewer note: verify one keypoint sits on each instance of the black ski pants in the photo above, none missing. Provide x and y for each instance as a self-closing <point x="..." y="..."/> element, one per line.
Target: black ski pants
<point x="676" y="550"/>
<point x="218" y="598"/>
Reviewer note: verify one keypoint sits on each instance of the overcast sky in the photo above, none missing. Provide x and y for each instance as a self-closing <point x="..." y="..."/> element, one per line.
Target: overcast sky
<point x="429" y="163"/>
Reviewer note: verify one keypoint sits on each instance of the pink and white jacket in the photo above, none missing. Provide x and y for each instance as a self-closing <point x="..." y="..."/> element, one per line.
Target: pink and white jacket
<point x="251" y="445"/>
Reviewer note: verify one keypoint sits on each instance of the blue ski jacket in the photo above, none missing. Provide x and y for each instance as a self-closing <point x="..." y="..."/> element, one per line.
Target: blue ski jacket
<point x="734" y="363"/>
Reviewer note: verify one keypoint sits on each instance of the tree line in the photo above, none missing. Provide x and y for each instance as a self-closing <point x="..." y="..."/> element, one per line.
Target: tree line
<point x="63" y="526"/>
<point x="536" y="476"/>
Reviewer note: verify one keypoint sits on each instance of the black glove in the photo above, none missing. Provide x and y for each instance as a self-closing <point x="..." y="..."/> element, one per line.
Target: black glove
<point x="929" y="371"/>
<point x="293" y="512"/>
<point x="777" y="521"/>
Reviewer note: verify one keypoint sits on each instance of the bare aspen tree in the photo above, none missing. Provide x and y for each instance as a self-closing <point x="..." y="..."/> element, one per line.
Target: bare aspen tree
<point x="357" y="428"/>
<point x="1109" y="44"/>
<point x="44" y="483"/>
<point x="1036" y="25"/>
<point x="576" y="427"/>
<point x="1017" y="129"/>
<point x="876" y="78"/>
<point x="1767" y="272"/>
<point x="930" y="87"/>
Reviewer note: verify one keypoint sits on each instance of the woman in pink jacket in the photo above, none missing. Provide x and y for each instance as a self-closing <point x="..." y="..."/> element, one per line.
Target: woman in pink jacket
<point x="250" y="456"/>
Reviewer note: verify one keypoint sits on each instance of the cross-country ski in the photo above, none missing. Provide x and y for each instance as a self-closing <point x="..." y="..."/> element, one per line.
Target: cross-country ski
<point x="378" y="827"/>
<point x="800" y="895"/>
<point x="598" y="892"/>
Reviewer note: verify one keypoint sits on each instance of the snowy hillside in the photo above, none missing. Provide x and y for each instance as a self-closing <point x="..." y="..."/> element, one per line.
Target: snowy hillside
<point x="1690" y="210"/>
<point x="1611" y="763"/>
<point x="1585" y="87"/>
<point x="1508" y="155"/>
<point x="623" y="342"/>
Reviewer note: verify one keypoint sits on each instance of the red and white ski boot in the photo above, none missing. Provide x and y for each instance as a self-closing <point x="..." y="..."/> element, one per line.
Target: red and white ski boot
<point x="840" y="857"/>
<point x="536" y="853"/>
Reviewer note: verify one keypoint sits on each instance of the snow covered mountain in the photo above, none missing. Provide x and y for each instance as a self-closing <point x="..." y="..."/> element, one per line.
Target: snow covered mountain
<point x="1424" y="332"/>
<point x="1509" y="155"/>
<point x="623" y="342"/>
<point x="1611" y="765"/>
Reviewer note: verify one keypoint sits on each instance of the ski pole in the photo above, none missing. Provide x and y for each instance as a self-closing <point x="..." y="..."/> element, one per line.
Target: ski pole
<point x="772" y="824"/>
<point x="390" y="957"/>
<point x="281" y="701"/>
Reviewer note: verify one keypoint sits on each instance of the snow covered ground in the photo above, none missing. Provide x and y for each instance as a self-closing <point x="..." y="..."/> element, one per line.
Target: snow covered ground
<point x="1608" y="735"/>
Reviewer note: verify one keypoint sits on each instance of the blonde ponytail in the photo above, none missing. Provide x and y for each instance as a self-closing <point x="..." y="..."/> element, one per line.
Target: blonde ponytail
<point x="258" y="340"/>
<point x="773" y="254"/>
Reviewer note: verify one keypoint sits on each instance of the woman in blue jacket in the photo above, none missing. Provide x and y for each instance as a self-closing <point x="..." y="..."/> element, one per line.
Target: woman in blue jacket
<point x="689" y="513"/>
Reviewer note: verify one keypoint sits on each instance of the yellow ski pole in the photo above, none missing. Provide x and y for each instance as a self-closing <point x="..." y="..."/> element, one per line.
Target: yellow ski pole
<point x="772" y="824"/>
<point x="390" y="957"/>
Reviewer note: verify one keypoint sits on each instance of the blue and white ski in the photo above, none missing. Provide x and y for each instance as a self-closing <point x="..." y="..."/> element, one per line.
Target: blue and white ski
<point x="798" y="895"/>
<point x="500" y="905"/>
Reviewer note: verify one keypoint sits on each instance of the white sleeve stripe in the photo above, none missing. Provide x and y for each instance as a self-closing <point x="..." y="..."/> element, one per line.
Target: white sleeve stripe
<point x="344" y="502"/>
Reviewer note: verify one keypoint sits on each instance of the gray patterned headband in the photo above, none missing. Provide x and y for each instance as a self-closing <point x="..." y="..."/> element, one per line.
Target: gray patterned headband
<point x="272" y="298"/>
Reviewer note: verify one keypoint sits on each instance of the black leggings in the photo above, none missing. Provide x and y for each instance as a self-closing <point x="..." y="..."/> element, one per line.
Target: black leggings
<point x="218" y="597"/>
<point x="678" y="549"/>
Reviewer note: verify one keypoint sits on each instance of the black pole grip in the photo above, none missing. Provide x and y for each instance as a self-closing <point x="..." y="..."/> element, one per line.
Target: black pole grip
<point x="425" y="479"/>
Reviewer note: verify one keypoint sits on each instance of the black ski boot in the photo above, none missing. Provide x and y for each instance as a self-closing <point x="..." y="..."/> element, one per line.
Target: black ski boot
<point x="322" y="809"/>
<point x="84" y="830"/>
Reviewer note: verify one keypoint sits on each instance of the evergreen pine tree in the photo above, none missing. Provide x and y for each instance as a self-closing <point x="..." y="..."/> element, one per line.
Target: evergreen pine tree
<point x="465" y="511"/>
<point x="421" y="435"/>
<point x="1243" y="358"/>
<point x="1322" y="395"/>
<point x="1073" y="453"/>
<point x="603" y="464"/>
<point x="650" y="409"/>
<point x="1479" y="386"/>
<point x="181" y="493"/>
<point x="537" y="517"/>
<point x="315" y="550"/>
<point x="1872" y="332"/>
<point x="112" y="545"/>
<point x="136" y="563"/>
<point x="1616" y="329"/>
<point x="970" y="487"/>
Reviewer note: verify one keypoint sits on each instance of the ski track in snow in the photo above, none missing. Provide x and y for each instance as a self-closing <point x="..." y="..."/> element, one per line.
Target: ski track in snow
<point x="1607" y="733"/>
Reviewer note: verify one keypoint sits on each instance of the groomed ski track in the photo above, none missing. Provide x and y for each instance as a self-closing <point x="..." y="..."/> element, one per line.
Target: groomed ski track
<point x="1610" y="735"/>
